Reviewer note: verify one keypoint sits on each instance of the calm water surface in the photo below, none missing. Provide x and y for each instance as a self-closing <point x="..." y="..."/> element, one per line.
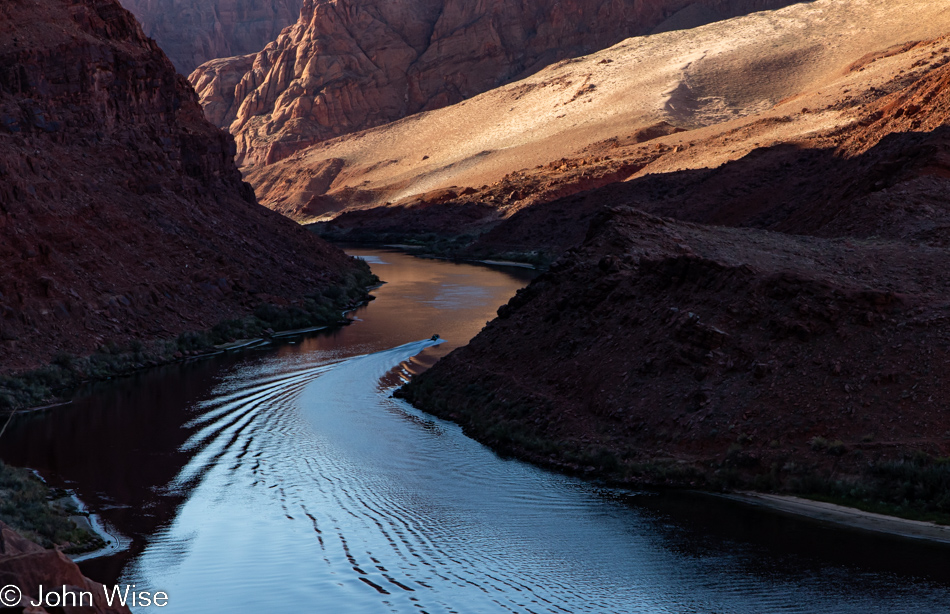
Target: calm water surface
<point x="288" y="479"/>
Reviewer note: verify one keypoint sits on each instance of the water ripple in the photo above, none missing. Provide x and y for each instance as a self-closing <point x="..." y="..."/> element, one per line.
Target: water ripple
<point x="309" y="487"/>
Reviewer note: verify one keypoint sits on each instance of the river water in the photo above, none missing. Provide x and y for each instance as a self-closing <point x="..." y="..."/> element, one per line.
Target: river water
<point x="288" y="479"/>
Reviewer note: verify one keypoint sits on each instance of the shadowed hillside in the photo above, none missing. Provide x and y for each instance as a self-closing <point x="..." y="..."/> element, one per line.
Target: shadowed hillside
<point x="122" y="215"/>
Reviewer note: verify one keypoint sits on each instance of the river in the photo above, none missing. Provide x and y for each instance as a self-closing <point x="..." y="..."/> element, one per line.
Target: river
<point x="289" y="479"/>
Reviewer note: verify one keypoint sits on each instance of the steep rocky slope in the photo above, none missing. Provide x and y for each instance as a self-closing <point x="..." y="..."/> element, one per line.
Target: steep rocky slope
<point x="709" y="81"/>
<point x="671" y="352"/>
<point x="871" y="169"/>
<point x="122" y="214"/>
<point x="347" y="65"/>
<point x="882" y="173"/>
<point x="193" y="32"/>
<point x="795" y="339"/>
<point x="870" y="179"/>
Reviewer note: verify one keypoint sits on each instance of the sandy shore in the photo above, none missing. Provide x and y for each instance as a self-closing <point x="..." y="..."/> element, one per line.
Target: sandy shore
<point x="845" y="516"/>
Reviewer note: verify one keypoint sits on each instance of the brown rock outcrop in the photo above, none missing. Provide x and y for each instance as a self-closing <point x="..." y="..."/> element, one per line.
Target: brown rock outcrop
<point x="122" y="214"/>
<point x="727" y="348"/>
<point x="666" y="351"/>
<point x="193" y="32"/>
<point x="26" y="565"/>
<point x="347" y="65"/>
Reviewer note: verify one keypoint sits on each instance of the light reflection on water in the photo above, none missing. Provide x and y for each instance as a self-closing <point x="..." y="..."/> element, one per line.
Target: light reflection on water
<point x="291" y="480"/>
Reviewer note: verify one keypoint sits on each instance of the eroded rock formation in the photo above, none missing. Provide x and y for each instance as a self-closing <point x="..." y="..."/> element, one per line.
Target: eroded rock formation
<point x="192" y="32"/>
<point x="347" y="65"/>
<point x="122" y="214"/>
<point x="576" y="125"/>
<point x="877" y="167"/>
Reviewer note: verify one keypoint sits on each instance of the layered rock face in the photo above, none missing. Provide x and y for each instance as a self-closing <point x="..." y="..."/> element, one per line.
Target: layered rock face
<point x="26" y="565"/>
<point x="347" y="65"/>
<point x="195" y="31"/>
<point x="122" y="214"/>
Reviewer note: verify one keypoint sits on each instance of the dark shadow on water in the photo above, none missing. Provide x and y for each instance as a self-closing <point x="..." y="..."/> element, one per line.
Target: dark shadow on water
<point x="118" y="445"/>
<point x="787" y="544"/>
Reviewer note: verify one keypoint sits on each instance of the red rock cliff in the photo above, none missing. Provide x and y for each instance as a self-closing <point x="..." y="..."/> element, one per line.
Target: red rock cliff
<point x="347" y="65"/>
<point x="26" y="565"/>
<point x="195" y="31"/>
<point x="122" y="214"/>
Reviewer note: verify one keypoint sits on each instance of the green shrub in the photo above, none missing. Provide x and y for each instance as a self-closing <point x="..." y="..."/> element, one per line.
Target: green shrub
<point x="25" y="506"/>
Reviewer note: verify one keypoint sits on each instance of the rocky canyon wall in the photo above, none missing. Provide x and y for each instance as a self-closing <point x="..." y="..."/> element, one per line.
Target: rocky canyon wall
<point x="195" y="31"/>
<point x="347" y="65"/>
<point x="122" y="214"/>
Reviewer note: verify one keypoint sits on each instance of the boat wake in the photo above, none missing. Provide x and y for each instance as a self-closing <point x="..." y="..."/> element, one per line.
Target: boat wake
<point x="310" y="488"/>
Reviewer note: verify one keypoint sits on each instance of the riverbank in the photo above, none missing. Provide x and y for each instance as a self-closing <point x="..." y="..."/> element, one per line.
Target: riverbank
<point x="443" y="244"/>
<point x="44" y="515"/>
<point x="419" y="251"/>
<point x="55" y="518"/>
<point x="885" y="487"/>
<point x="669" y="354"/>
<point x="46" y="386"/>
<point x="849" y="517"/>
<point x="25" y="566"/>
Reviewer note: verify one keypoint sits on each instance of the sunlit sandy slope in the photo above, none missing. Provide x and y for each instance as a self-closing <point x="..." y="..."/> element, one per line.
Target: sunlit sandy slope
<point x="720" y="75"/>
